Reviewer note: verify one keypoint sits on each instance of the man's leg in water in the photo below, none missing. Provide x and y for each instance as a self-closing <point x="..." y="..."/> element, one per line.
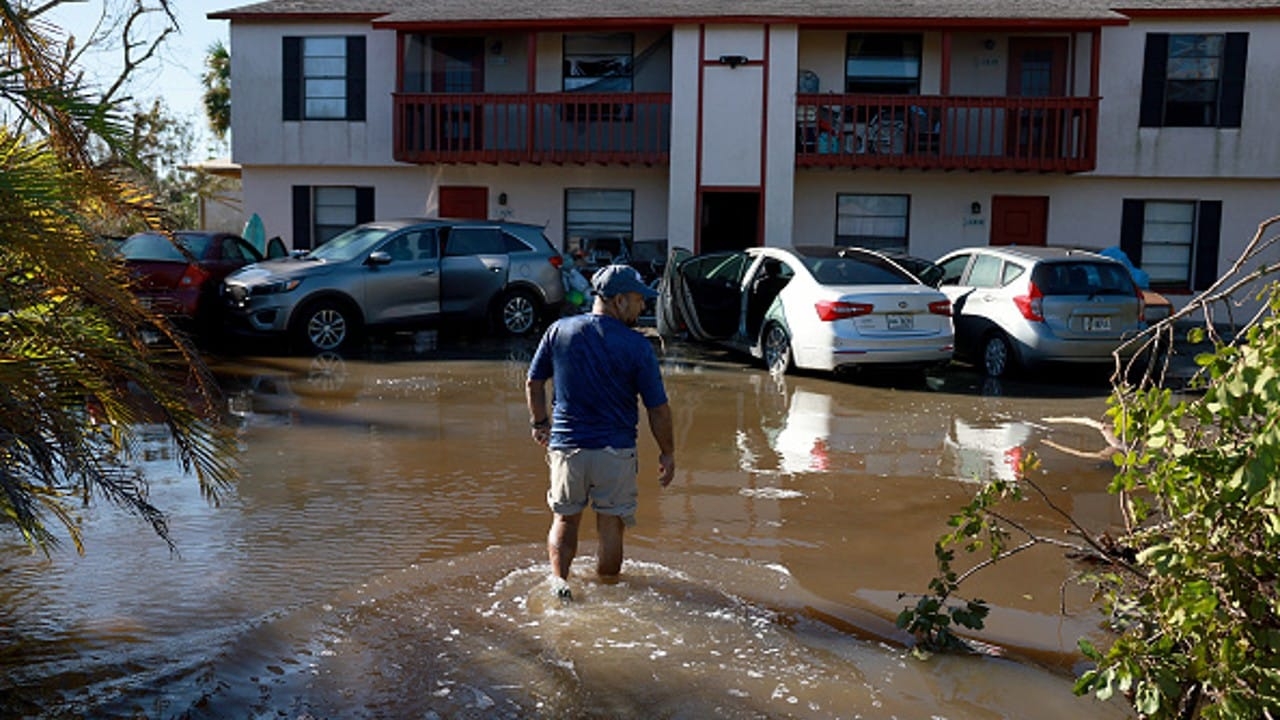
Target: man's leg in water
<point x="610" y="529"/>
<point x="562" y="543"/>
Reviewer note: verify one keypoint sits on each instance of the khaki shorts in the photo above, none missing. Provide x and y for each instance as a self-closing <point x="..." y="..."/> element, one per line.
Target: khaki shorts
<point x="606" y="477"/>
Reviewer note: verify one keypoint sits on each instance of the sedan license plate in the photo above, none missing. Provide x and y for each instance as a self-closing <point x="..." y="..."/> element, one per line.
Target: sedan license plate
<point x="899" y="321"/>
<point x="1097" y="324"/>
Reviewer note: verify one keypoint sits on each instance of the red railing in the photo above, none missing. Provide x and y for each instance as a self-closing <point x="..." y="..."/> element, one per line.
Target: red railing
<point x="1057" y="134"/>
<point x="620" y="128"/>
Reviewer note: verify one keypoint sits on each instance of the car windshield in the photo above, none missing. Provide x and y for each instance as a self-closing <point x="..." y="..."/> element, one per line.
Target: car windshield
<point x="1083" y="278"/>
<point x="861" y="269"/>
<point x="156" y="247"/>
<point x="350" y="243"/>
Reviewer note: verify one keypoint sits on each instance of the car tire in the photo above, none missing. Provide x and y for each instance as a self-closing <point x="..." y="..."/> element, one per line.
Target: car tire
<point x="517" y="313"/>
<point x="776" y="348"/>
<point x="325" y="326"/>
<point x="998" y="359"/>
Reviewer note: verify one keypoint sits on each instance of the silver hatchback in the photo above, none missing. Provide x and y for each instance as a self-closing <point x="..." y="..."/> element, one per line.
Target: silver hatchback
<point x="1018" y="306"/>
<point x="407" y="272"/>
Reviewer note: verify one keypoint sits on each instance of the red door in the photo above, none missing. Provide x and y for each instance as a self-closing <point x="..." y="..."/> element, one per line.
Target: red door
<point x="457" y="66"/>
<point x="1019" y="219"/>
<point x="1037" y="68"/>
<point x="471" y="203"/>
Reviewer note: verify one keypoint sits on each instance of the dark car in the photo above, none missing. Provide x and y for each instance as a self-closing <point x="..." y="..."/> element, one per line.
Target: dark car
<point x="402" y="273"/>
<point x="179" y="277"/>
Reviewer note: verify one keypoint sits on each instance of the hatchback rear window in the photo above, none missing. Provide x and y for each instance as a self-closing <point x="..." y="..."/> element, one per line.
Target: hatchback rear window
<point x="149" y="246"/>
<point x="1083" y="278"/>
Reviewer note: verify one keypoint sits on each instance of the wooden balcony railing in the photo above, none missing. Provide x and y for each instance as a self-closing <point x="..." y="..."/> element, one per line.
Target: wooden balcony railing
<point x="624" y="128"/>
<point x="1057" y="134"/>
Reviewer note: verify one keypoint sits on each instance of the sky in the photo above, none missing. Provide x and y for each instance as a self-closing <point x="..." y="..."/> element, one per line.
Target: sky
<point x="174" y="73"/>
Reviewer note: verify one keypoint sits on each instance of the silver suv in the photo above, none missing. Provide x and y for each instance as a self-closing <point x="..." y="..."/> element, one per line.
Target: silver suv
<point x="401" y="273"/>
<point x="1017" y="306"/>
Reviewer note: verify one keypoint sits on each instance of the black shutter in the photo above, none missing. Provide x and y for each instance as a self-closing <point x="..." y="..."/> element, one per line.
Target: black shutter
<point x="356" y="78"/>
<point x="1208" y="230"/>
<point x="302" y="217"/>
<point x="1154" y="69"/>
<point x="1131" y="221"/>
<point x="292" y="78"/>
<point x="364" y="204"/>
<point x="1233" y="66"/>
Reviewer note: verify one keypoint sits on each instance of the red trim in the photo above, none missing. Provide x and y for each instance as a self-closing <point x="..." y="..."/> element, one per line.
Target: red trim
<point x="1095" y="61"/>
<point x="803" y="22"/>
<point x="400" y="61"/>
<point x="1198" y="12"/>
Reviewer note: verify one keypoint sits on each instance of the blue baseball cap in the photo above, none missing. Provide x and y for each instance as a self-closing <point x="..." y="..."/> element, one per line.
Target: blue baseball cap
<point x="612" y="280"/>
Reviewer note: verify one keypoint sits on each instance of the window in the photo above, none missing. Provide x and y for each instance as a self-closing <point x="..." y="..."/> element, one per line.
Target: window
<point x="324" y="78"/>
<point x="876" y="222"/>
<point x="476" y="241"/>
<point x="1174" y="241"/>
<point x="985" y="272"/>
<point x="321" y="212"/>
<point x="1193" y="80"/>
<point x="598" y="223"/>
<point x="953" y="270"/>
<point x="598" y="63"/>
<point x="883" y="63"/>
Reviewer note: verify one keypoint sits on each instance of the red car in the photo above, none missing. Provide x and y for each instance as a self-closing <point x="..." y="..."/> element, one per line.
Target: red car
<point x="183" y="282"/>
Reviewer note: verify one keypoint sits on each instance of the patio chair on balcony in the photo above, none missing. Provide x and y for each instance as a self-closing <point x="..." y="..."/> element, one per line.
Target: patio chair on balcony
<point x="903" y="131"/>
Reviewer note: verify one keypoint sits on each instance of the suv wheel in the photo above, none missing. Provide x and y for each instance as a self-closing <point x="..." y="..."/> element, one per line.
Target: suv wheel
<point x="517" y="313"/>
<point x="997" y="355"/>
<point x="777" y="350"/>
<point x="325" y="326"/>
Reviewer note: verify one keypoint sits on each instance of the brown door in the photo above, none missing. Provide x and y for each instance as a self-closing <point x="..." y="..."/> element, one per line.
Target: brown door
<point x="1037" y="68"/>
<point x="457" y="66"/>
<point x="1019" y="220"/>
<point x="470" y="203"/>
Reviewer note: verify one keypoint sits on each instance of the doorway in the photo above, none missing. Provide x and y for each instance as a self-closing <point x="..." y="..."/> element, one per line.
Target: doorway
<point x="1019" y="220"/>
<point x="1037" y="68"/>
<point x="457" y="66"/>
<point x="730" y="220"/>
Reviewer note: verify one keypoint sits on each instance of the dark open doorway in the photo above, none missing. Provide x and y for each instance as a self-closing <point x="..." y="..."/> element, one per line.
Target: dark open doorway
<point x="730" y="221"/>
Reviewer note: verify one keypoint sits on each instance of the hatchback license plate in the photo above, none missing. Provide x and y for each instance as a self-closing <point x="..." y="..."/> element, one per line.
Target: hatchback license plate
<point x="899" y="321"/>
<point x="1097" y="324"/>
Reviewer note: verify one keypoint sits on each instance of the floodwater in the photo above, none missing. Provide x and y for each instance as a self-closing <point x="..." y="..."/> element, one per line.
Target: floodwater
<point x="382" y="556"/>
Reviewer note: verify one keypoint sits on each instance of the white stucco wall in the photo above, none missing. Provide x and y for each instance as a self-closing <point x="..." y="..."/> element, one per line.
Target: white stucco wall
<point x="732" y="107"/>
<point x="780" y="140"/>
<point x="261" y="136"/>
<point x="1252" y="150"/>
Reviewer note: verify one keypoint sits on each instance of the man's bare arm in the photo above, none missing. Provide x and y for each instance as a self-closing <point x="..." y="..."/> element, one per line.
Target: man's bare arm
<point x="660" y="425"/>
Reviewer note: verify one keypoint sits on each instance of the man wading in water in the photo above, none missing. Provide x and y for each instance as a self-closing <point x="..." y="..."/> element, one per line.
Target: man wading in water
<point x="600" y="365"/>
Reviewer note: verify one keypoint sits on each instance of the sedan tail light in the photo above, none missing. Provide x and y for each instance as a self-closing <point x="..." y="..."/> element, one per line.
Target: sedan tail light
<point x="940" y="307"/>
<point x="193" y="277"/>
<point x="830" y="310"/>
<point x="557" y="261"/>
<point x="1031" y="305"/>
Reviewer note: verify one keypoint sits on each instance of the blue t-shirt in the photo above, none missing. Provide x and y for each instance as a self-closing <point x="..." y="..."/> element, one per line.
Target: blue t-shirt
<point x="599" y="366"/>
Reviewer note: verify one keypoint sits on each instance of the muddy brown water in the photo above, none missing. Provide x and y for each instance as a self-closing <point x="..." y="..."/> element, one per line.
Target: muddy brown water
<point x="382" y="556"/>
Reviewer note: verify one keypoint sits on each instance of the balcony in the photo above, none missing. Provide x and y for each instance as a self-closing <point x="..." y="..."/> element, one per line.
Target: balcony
<point x="537" y="128"/>
<point x="1028" y="134"/>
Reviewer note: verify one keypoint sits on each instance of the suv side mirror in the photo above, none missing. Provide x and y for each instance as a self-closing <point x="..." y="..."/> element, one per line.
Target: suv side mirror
<point x="378" y="257"/>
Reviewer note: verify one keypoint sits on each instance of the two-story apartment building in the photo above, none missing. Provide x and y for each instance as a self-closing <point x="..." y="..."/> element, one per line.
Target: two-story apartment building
<point x="907" y="125"/>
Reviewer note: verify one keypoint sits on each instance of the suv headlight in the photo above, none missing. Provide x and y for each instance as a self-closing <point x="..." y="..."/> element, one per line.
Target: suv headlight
<point x="277" y="286"/>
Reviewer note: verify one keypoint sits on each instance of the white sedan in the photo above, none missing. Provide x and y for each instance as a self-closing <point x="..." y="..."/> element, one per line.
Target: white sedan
<point x="810" y="307"/>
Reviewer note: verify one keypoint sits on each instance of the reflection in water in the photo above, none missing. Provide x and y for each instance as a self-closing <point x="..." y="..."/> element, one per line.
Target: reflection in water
<point x="382" y="557"/>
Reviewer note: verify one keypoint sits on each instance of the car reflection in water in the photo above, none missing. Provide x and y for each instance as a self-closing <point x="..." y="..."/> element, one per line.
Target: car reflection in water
<point x="963" y="438"/>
